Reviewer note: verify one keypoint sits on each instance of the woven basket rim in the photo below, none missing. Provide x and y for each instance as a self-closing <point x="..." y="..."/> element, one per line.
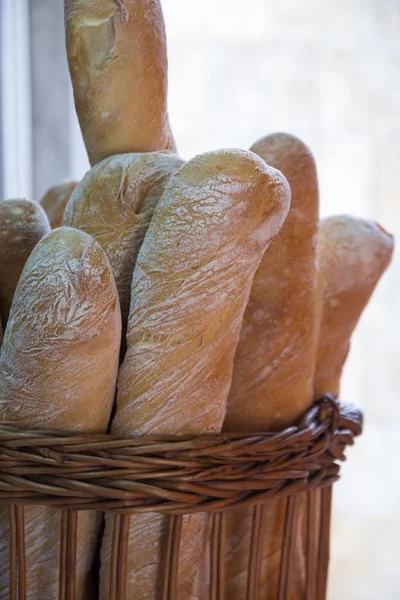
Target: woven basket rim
<point x="175" y="475"/>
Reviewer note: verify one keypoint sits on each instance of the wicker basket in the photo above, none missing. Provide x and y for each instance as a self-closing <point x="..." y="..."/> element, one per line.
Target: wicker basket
<point x="213" y="474"/>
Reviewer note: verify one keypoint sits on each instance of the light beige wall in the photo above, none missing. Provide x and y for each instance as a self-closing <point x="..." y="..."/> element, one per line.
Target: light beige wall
<point x="328" y="71"/>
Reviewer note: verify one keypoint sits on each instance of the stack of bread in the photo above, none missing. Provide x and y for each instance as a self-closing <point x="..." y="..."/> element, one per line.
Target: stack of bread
<point x="176" y="298"/>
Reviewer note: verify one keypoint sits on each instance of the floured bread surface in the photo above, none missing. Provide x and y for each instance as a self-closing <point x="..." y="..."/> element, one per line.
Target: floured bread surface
<point x="353" y="255"/>
<point x="275" y="359"/>
<point x="114" y="203"/>
<point x="55" y="200"/>
<point x="58" y="368"/>
<point x="190" y="286"/>
<point x="58" y="362"/>
<point x="118" y="63"/>
<point x="22" y="224"/>
<point x="274" y="364"/>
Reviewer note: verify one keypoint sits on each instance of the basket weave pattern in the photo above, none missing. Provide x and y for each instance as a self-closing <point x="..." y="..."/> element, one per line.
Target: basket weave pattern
<point x="213" y="474"/>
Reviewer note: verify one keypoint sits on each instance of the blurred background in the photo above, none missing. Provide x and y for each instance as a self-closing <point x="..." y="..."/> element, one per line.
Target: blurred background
<point x="325" y="70"/>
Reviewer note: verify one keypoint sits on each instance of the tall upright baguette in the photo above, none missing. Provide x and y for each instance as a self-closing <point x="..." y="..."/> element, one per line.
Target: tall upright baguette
<point x="353" y="255"/>
<point x="189" y="290"/>
<point x="114" y="203"/>
<point x="118" y="64"/>
<point x="22" y="224"/>
<point x="55" y="200"/>
<point x="273" y="372"/>
<point x="58" y="369"/>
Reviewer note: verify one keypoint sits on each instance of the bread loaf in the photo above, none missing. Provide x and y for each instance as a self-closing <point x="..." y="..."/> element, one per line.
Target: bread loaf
<point x="274" y="364"/>
<point x="58" y="368"/>
<point x="353" y="255"/>
<point x="118" y="64"/>
<point x="115" y="202"/>
<point x="55" y="200"/>
<point x="22" y="225"/>
<point x="190" y="286"/>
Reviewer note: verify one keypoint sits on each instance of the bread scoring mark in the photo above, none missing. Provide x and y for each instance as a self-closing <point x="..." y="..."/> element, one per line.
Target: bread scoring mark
<point x="88" y="21"/>
<point x="123" y="11"/>
<point x="16" y="208"/>
<point x="96" y="47"/>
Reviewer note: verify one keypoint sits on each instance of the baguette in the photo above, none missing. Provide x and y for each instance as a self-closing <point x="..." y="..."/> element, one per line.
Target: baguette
<point x="58" y="368"/>
<point x="189" y="290"/>
<point x="55" y="200"/>
<point x="114" y="203"/>
<point x="118" y="64"/>
<point x="22" y="224"/>
<point x="273" y="372"/>
<point x="353" y="255"/>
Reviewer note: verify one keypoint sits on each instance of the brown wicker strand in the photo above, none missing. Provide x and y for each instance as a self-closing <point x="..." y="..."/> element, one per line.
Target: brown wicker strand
<point x="123" y="557"/>
<point x="167" y="558"/>
<point x="217" y="558"/>
<point x="288" y="546"/>
<point x="313" y="523"/>
<point x="262" y="509"/>
<point x="13" y="553"/>
<point x="21" y="551"/>
<point x="324" y="541"/>
<point x="170" y="581"/>
<point x="221" y="557"/>
<point x="176" y="539"/>
<point x="72" y="533"/>
<point x="62" y="592"/>
<point x="214" y="551"/>
<point x="114" y="557"/>
<point x="255" y="554"/>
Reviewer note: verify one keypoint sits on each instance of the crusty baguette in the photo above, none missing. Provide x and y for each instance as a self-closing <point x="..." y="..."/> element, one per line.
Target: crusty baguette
<point x="115" y="202"/>
<point x="189" y="290"/>
<point x="353" y="255"/>
<point x="118" y="64"/>
<point x="55" y="200"/>
<point x="274" y="364"/>
<point x="58" y="369"/>
<point x="22" y="224"/>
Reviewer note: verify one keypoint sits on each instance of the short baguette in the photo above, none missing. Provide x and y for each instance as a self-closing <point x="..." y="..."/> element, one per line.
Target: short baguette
<point x="189" y="290"/>
<point x="118" y="63"/>
<point x="58" y="368"/>
<point x="274" y="365"/>
<point x="22" y="224"/>
<point x="353" y="255"/>
<point x="55" y="200"/>
<point x="114" y="203"/>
